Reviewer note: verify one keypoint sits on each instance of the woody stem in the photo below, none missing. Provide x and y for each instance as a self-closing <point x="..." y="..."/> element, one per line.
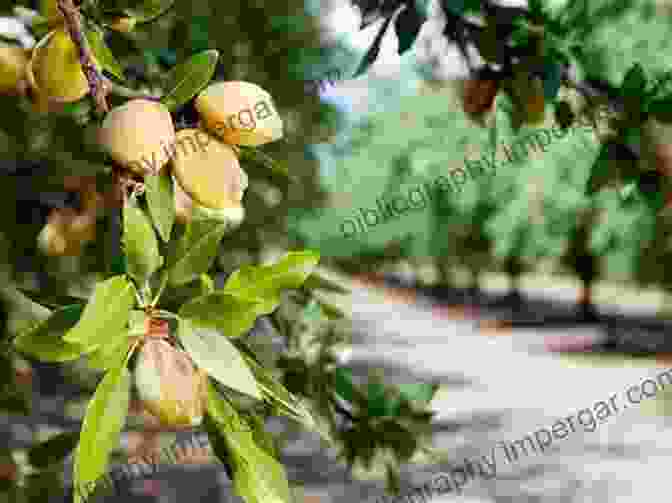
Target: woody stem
<point x="74" y="24"/>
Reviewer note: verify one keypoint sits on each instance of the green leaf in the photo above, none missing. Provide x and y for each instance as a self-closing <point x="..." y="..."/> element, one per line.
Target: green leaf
<point x="661" y="109"/>
<point x="187" y="79"/>
<point x="420" y="393"/>
<point x="344" y="385"/>
<point x="276" y="394"/>
<point x="256" y="156"/>
<point x="374" y="50"/>
<point x="318" y="282"/>
<point x="45" y="342"/>
<point x="634" y="82"/>
<point x="146" y="10"/>
<point x="258" y="478"/>
<point x="207" y="285"/>
<point x="15" y="403"/>
<point x="103" y="422"/>
<point x="51" y="301"/>
<point x="119" y="264"/>
<point x="459" y="7"/>
<point x="109" y="355"/>
<point x="102" y="53"/>
<point x="378" y="404"/>
<point x="552" y="80"/>
<point x="266" y="282"/>
<point x="231" y="314"/>
<point x="195" y="250"/>
<point x="140" y="245"/>
<point x="603" y="170"/>
<point x="219" y="358"/>
<point x="53" y="450"/>
<point x="161" y="203"/>
<point x="331" y="311"/>
<point x="261" y="436"/>
<point x="407" y="26"/>
<point x="106" y="314"/>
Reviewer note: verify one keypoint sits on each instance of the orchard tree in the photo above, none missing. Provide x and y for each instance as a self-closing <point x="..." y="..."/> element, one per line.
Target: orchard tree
<point x="566" y="61"/>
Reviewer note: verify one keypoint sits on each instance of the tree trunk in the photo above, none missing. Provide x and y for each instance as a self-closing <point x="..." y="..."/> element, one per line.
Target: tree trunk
<point x="586" y="270"/>
<point x="475" y="285"/>
<point x="514" y="269"/>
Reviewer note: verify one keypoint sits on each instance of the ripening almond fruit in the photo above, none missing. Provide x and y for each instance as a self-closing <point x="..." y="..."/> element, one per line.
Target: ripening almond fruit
<point x="54" y="71"/>
<point x="239" y="113"/>
<point x="51" y="240"/>
<point x="123" y="24"/>
<point x="169" y="385"/>
<point x="66" y="232"/>
<point x="13" y="62"/>
<point x="210" y="173"/>
<point x="138" y="135"/>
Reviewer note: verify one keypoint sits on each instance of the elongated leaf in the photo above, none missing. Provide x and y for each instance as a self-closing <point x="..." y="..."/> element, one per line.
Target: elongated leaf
<point x="288" y="404"/>
<point x="105" y="315"/>
<point x="45" y="341"/>
<point x="344" y="385"/>
<point x="420" y="393"/>
<point x="661" y="109"/>
<point x="258" y="478"/>
<point x="103" y="422"/>
<point x="278" y="170"/>
<point x="373" y="51"/>
<point x="53" y="450"/>
<point x="161" y="203"/>
<point x="15" y="403"/>
<point x="188" y="78"/>
<point x="267" y="282"/>
<point x="318" y="282"/>
<point x="407" y="26"/>
<point x="51" y="301"/>
<point x="231" y="314"/>
<point x="146" y="10"/>
<point x="634" y="82"/>
<point x="102" y="53"/>
<point x="331" y="311"/>
<point x="107" y="355"/>
<point x="140" y="245"/>
<point x="219" y="358"/>
<point x="552" y="80"/>
<point x="195" y="250"/>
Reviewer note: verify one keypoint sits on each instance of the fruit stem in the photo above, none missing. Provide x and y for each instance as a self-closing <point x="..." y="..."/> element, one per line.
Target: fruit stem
<point x="162" y="287"/>
<point x="73" y="22"/>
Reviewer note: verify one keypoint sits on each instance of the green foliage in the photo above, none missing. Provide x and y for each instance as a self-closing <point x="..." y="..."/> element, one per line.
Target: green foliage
<point x="53" y="450"/>
<point x="160" y="197"/>
<point x="105" y="315"/>
<point x="45" y="341"/>
<point x="103" y="422"/>
<point x="102" y="53"/>
<point x="267" y="282"/>
<point x="257" y="476"/>
<point x="195" y="251"/>
<point x="140" y="245"/>
<point x="210" y="349"/>
<point x="187" y="79"/>
<point x="231" y="314"/>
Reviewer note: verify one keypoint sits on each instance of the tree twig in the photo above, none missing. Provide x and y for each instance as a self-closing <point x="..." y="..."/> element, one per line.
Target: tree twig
<point x="73" y="22"/>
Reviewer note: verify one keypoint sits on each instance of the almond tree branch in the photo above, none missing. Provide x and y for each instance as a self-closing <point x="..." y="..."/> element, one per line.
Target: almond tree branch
<point x="73" y="22"/>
